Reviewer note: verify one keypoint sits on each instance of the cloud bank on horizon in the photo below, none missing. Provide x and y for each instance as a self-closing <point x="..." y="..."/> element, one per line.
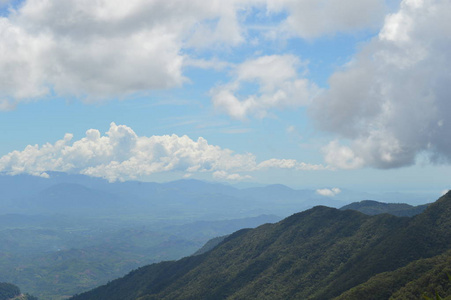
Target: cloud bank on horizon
<point x="122" y="155"/>
<point x="384" y="108"/>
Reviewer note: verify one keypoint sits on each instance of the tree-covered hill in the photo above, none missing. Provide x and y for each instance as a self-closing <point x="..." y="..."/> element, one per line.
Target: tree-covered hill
<point x="10" y="291"/>
<point x="423" y="276"/>
<point x="317" y="254"/>
<point x="371" y="207"/>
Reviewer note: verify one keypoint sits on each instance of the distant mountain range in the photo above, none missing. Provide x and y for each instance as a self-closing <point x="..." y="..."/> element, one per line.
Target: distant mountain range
<point x="188" y="200"/>
<point x="321" y="253"/>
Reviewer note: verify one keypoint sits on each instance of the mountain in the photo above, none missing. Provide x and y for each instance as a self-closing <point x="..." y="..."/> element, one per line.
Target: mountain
<point x="201" y="230"/>
<point x="184" y="200"/>
<point x="371" y="207"/>
<point x="10" y="291"/>
<point x="210" y="245"/>
<point x="321" y="253"/>
<point x="423" y="276"/>
<point x="71" y="198"/>
<point x="54" y="257"/>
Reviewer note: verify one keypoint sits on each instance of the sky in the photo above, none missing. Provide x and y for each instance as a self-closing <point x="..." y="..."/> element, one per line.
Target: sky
<point x="324" y="94"/>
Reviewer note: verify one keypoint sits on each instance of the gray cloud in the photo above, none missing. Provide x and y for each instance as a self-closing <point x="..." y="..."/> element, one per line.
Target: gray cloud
<point x="392" y="102"/>
<point x="313" y="18"/>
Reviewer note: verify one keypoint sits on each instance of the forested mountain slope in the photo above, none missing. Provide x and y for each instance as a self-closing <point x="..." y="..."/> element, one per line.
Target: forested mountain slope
<point x="10" y="291"/>
<point x="371" y="207"/>
<point x="317" y="254"/>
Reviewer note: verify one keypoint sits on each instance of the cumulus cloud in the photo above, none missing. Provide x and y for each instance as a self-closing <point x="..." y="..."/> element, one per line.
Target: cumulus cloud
<point x="106" y="49"/>
<point x="214" y="63"/>
<point x="232" y="177"/>
<point x="120" y="154"/>
<point x="391" y="103"/>
<point x="313" y="18"/>
<point x="279" y="86"/>
<point x="97" y="50"/>
<point x="290" y="164"/>
<point x="328" y="192"/>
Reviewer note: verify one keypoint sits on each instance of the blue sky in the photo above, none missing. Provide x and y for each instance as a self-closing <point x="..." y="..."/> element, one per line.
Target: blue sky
<point x="348" y="94"/>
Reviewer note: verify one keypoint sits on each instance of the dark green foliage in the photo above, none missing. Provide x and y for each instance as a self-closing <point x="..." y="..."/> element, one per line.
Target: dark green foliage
<point x="322" y="253"/>
<point x="409" y="282"/>
<point x="279" y="257"/>
<point x="8" y="291"/>
<point x="371" y="207"/>
<point x="210" y="245"/>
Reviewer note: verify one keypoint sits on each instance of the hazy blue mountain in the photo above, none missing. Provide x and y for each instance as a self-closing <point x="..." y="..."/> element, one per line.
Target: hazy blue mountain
<point x="201" y="230"/>
<point x="185" y="199"/>
<point x="72" y="198"/>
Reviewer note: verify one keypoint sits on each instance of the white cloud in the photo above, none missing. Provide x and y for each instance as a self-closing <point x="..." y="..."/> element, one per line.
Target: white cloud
<point x="313" y="18"/>
<point x="392" y="101"/>
<point x="97" y="50"/>
<point x="231" y="177"/>
<point x="328" y="192"/>
<point x="214" y="63"/>
<point x="123" y="155"/>
<point x="341" y="157"/>
<point x="290" y="164"/>
<point x="279" y="86"/>
<point x="106" y="49"/>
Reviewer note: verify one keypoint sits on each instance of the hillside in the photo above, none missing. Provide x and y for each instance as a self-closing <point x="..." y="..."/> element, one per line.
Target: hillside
<point x="10" y="291"/>
<point x="317" y="254"/>
<point x="428" y="275"/>
<point x="55" y="257"/>
<point x="371" y="207"/>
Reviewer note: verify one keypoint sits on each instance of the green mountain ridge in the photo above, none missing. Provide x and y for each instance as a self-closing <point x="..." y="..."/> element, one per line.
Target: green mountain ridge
<point x="318" y="254"/>
<point x="371" y="207"/>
